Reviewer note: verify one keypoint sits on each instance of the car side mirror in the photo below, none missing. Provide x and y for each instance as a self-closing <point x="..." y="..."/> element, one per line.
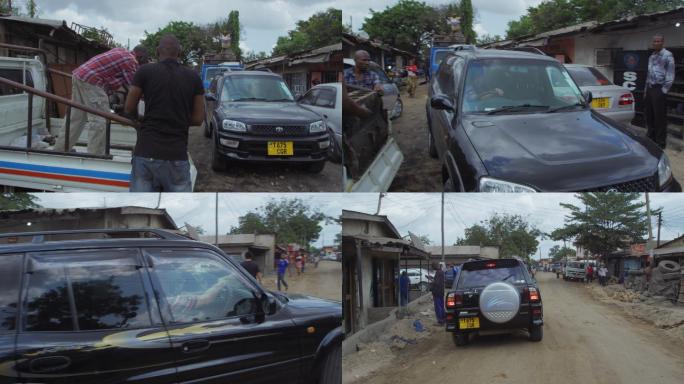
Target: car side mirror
<point x="588" y="97"/>
<point x="269" y="304"/>
<point x="442" y="103"/>
<point x="210" y="97"/>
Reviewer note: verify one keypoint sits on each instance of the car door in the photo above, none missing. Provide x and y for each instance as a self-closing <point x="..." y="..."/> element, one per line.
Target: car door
<point x="211" y="104"/>
<point x="218" y="330"/>
<point x="448" y="83"/>
<point x="88" y="317"/>
<point x="10" y="266"/>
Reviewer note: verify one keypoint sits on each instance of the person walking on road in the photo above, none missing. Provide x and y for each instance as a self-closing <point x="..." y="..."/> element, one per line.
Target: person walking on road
<point x="602" y="271"/>
<point x="437" y="289"/>
<point x="360" y="75"/>
<point x="282" y="267"/>
<point x="92" y="83"/>
<point x="404" y="283"/>
<point x="590" y="273"/>
<point x="251" y="266"/>
<point x="661" y="74"/>
<point x="412" y="70"/>
<point x="174" y="101"/>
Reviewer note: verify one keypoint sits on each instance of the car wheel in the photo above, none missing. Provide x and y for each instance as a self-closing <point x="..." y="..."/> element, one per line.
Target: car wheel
<point x="432" y="150"/>
<point x="207" y="128"/>
<point x="316" y="167"/>
<point x="332" y="367"/>
<point x="499" y="302"/>
<point x="448" y="185"/>
<point x="536" y="333"/>
<point x="398" y="109"/>
<point x="218" y="162"/>
<point x="460" y="340"/>
<point x="668" y="266"/>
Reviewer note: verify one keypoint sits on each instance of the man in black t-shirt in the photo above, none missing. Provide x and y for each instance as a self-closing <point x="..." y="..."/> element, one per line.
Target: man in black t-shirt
<point x="251" y="266"/>
<point x="173" y="102"/>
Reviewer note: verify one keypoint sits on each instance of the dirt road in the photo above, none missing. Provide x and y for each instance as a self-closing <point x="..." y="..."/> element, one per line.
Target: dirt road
<point x="585" y="341"/>
<point x="419" y="172"/>
<point x="258" y="178"/>
<point x="324" y="281"/>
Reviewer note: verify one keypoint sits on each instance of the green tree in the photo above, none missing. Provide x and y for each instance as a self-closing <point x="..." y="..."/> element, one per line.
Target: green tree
<point x="252" y="56"/>
<point x="31" y="8"/>
<point x="486" y="39"/>
<point x="233" y="27"/>
<point x="407" y="25"/>
<point x="467" y="20"/>
<point x="321" y="29"/>
<point x="291" y="220"/>
<point x="558" y="253"/>
<point x="5" y="8"/>
<point x="606" y="223"/>
<point x="18" y="200"/>
<point x="193" y="39"/>
<point x="425" y="239"/>
<point x="511" y="233"/>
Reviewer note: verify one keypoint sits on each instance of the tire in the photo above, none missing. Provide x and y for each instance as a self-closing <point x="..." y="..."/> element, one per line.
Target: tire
<point x="432" y="150"/>
<point x="536" y="333"/>
<point x="218" y="162"/>
<point x="331" y="373"/>
<point x="499" y="302"/>
<point x="448" y="185"/>
<point x="398" y="109"/>
<point x="460" y="339"/>
<point x="207" y="129"/>
<point x="316" y="167"/>
<point x="668" y="266"/>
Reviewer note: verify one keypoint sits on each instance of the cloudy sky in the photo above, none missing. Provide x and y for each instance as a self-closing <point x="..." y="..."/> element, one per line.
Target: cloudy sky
<point x="492" y="15"/>
<point x="199" y="208"/>
<point x="420" y="213"/>
<point x="263" y="20"/>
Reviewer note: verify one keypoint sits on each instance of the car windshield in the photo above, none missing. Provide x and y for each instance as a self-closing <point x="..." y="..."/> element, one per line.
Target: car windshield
<point x="255" y="88"/>
<point x="588" y="76"/>
<point x="576" y="265"/>
<point x="211" y="72"/>
<point x="483" y="277"/>
<point x="518" y="85"/>
<point x="439" y="56"/>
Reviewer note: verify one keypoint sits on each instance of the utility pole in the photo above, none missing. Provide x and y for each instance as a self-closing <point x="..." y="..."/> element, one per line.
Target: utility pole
<point x="660" y="222"/>
<point x="648" y="215"/>
<point x="216" y="219"/>
<point x="379" y="202"/>
<point x="442" y="226"/>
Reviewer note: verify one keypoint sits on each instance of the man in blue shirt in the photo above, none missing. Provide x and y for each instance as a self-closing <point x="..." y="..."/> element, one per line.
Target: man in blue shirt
<point x="282" y="267"/>
<point x="404" y="283"/>
<point x="360" y="75"/>
<point x="661" y="73"/>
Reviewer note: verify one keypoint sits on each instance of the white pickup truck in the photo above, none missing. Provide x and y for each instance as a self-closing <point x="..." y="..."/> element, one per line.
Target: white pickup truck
<point x="27" y="161"/>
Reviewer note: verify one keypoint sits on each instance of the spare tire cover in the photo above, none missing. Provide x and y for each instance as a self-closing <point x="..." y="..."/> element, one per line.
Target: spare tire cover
<point x="499" y="302"/>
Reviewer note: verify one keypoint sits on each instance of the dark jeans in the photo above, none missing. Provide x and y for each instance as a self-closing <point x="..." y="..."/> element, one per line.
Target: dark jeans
<point x="656" y="115"/>
<point x="281" y="280"/>
<point x="152" y="175"/>
<point x="439" y="308"/>
<point x="403" y="299"/>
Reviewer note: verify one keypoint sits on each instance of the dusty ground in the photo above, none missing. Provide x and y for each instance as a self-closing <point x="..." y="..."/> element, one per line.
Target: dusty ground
<point x="421" y="173"/>
<point x="324" y="281"/>
<point x="258" y="178"/>
<point x="585" y="341"/>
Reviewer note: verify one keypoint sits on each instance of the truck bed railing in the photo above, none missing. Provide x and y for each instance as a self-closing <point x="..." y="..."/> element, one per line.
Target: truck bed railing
<point x="108" y="116"/>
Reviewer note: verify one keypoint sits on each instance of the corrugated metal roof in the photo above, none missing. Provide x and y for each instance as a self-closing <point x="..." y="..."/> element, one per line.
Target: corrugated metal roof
<point x="36" y="21"/>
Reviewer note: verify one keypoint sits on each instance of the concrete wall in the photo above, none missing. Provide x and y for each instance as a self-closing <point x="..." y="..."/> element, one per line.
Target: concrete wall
<point x="366" y="289"/>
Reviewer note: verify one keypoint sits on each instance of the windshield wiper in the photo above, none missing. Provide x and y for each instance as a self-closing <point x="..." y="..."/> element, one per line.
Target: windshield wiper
<point x="513" y="108"/>
<point x="251" y="99"/>
<point x="565" y="107"/>
<point x="280" y="100"/>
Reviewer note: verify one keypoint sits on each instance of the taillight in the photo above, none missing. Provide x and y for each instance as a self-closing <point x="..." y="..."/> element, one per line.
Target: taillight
<point x="454" y="299"/>
<point x="626" y="99"/>
<point x="490" y="265"/>
<point x="533" y="294"/>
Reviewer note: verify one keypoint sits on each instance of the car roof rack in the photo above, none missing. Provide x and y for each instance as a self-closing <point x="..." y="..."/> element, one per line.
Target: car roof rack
<point x="39" y="237"/>
<point x="463" y="47"/>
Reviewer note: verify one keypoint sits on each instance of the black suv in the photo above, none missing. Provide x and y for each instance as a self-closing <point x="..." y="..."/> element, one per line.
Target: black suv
<point x="161" y="309"/>
<point x="506" y="121"/>
<point x="252" y="116"/>
<point x="494" y="295"/>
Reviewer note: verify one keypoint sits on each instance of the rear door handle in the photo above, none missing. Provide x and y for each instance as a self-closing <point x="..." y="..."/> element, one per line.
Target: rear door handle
<point x="49" y="364"/>
<point x="195" y="346"/>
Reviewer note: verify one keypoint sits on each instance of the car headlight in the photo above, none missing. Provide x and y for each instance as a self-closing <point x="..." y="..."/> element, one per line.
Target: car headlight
<point x="488" y="184"/>
<point x="235" y="126"/>
<point x="664" y="171"/>
<point x="317" y="127"/>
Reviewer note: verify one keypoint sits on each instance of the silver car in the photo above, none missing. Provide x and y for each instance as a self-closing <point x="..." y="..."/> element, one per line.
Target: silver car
<point x="608" y="99"/>
<point x="326" y="100"/>
<point x="391" y="99"/>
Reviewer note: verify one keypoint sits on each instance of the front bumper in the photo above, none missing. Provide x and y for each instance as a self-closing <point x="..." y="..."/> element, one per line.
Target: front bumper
<point x="307" y="149"/>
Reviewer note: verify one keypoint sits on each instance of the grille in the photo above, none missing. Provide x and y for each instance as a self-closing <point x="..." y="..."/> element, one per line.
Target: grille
<point x="647" y="184"/>
<point x="287" y="130"/>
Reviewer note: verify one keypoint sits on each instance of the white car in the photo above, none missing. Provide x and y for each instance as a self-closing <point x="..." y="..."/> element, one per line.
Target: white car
<point x="418" y="278"/>
<point x="608" y="99"/>
<point x="326" y="100"/>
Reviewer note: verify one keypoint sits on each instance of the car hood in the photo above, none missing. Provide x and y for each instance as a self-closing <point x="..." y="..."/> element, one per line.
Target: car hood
<point x="268" y="112"/>
<point x="304" y="306"/>
<point x="566" y="151"/>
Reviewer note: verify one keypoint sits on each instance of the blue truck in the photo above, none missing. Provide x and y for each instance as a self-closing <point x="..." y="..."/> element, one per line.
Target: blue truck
<point x="440" y="46"/>
<point x="210" y="70"/>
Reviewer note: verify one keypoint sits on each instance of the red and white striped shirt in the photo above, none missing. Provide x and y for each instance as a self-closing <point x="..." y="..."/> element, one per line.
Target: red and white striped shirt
<point x="109" y="70"/>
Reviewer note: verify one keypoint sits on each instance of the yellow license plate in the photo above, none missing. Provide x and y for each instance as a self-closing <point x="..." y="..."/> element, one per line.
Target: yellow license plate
<point x="601" y="102"/>
<point x="280" y="148"/>
<point x="469" y="323"/>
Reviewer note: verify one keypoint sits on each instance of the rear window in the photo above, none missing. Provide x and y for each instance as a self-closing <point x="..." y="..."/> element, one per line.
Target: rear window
<point x="576" y="265"/>
<point x="482" y="274"/>
<point x="10" y="265"/>
<point x="588" y="77"/>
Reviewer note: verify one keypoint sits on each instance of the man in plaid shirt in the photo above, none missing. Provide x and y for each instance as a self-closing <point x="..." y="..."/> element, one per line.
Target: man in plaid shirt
<point x="92" y="83"/>
<point x="360" y="75"/>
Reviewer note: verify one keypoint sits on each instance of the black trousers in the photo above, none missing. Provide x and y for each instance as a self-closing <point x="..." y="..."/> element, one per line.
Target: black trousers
<point x="656" y="115"/>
